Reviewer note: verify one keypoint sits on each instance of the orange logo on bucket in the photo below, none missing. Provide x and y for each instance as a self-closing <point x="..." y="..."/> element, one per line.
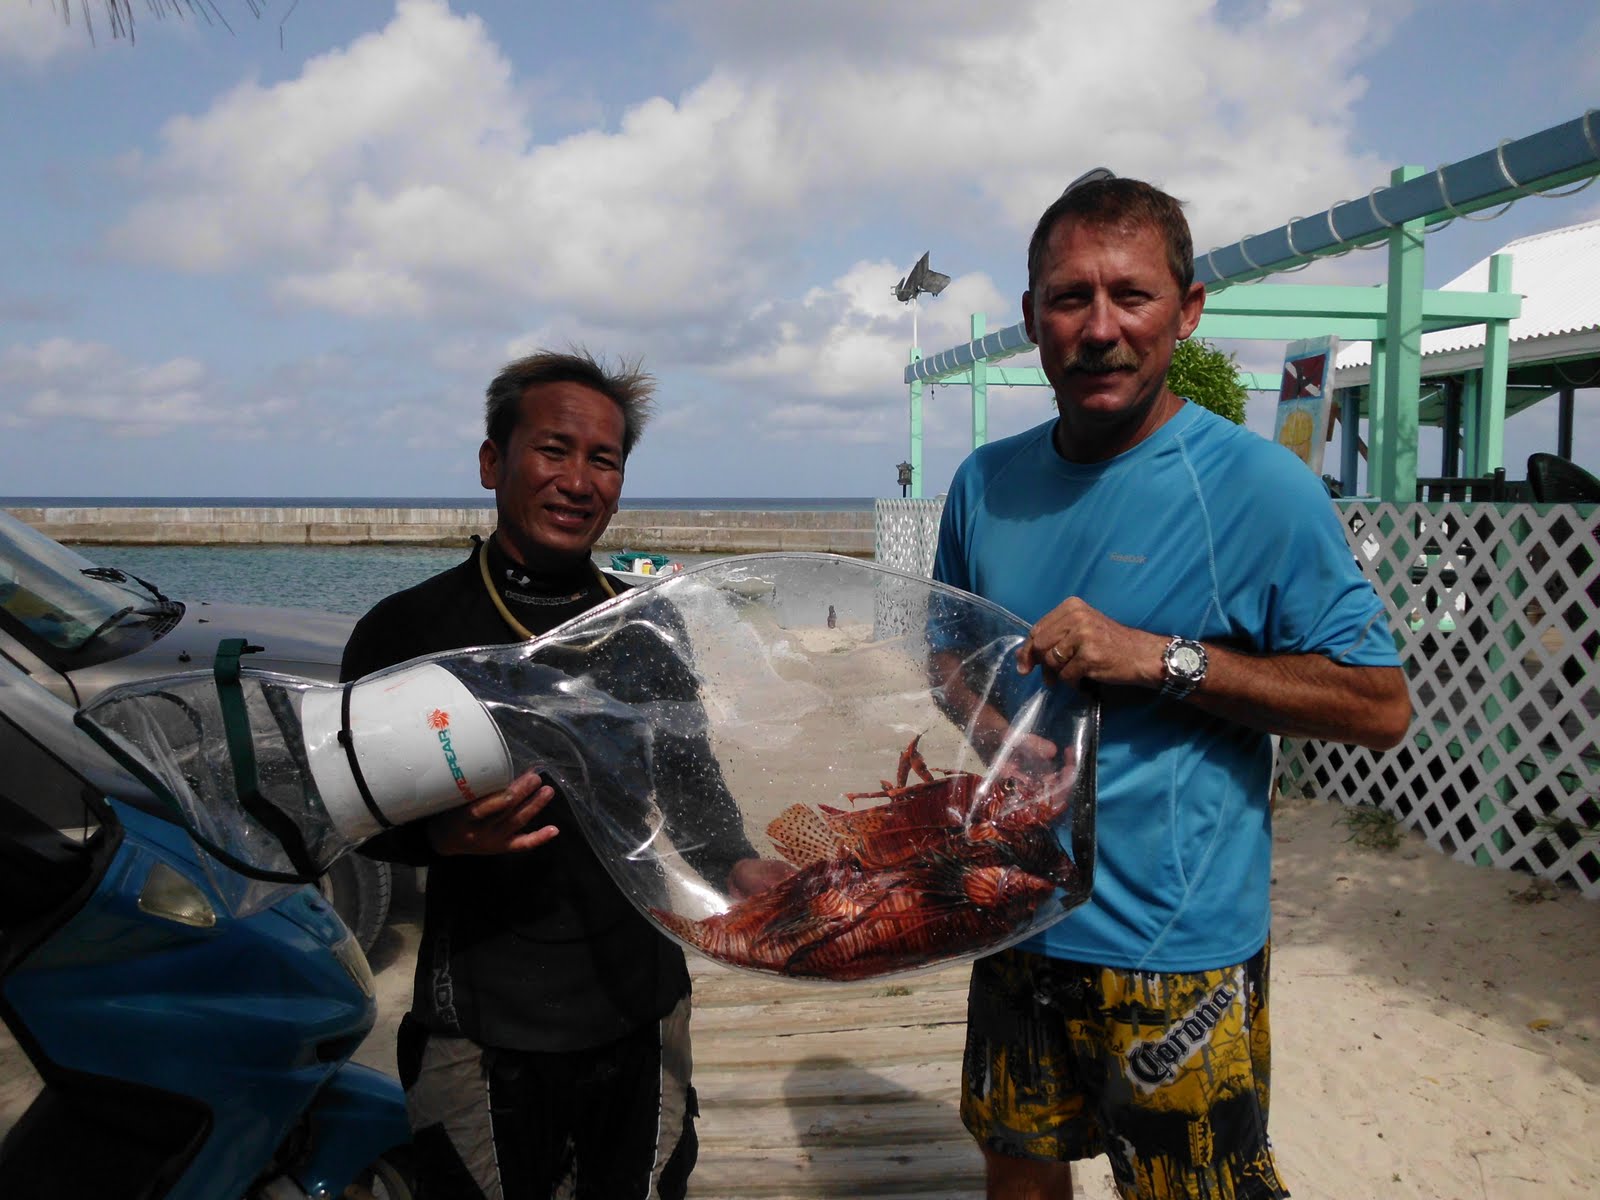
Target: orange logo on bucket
<point x="438" y="719"/>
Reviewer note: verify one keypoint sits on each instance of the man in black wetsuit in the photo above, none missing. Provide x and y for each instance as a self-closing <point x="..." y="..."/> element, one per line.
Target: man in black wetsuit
<point x="548" y="1038"/>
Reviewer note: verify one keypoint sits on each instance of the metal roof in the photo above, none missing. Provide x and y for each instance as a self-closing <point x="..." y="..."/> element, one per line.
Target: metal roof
<point x="1558" y="275"/>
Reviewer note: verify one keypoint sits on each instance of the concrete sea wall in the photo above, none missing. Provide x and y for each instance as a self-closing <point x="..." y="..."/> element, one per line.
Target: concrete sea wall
<point x="708" y="531"/>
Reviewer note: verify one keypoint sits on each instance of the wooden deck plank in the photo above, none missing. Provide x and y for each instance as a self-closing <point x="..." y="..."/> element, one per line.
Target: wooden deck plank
<point x="742" y="1086"/>
<point x="869" y="1048"/>
<point x="901" y="1122"/>
<point x="950" y="1171"/>
<point x="831" y="1090"/>
<point x="934" y="1008"/>
<point x="717" y="988"/>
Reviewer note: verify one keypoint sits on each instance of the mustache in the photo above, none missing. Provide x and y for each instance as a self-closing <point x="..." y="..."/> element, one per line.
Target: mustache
<point x="1118" y="358"/>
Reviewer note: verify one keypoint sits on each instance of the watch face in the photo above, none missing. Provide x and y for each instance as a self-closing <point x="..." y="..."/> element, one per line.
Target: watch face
<point x="1185" y="660"/>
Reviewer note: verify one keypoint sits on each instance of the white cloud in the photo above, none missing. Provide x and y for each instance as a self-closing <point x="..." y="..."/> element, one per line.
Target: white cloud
<point x="850" y="339"/>
<point x="403" y="175"/>
<point x="35" y="32"/>
<point x="86" y="386"/>
<point x="1247" y="120"/>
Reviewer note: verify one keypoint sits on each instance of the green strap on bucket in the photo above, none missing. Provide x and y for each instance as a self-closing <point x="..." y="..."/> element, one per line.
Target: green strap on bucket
<point x="242" y="756"/>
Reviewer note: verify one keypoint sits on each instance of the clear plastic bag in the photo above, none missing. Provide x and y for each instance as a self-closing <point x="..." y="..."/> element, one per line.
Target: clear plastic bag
<point x="798" y="764"/>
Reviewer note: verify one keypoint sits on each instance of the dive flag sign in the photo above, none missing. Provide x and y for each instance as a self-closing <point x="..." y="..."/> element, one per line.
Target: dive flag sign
<point x="1305" y="398"/>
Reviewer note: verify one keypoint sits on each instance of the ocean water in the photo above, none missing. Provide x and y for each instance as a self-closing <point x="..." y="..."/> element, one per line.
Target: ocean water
<point x="344" y="579"/>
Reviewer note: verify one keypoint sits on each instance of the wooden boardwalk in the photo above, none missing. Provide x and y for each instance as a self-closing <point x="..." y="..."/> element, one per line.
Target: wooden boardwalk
<point x="835" y="1090"/>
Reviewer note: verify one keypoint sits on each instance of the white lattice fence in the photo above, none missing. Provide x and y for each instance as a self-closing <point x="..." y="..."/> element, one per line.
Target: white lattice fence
<point x="908" y="534"/>
<point x="1495" y="611"/>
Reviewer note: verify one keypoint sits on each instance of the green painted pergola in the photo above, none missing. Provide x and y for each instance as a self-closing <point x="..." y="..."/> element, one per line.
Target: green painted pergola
<point x="1393" y="316"/>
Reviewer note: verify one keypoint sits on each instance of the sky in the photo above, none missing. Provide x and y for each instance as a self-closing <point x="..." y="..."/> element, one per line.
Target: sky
<point x="284" y="255"/>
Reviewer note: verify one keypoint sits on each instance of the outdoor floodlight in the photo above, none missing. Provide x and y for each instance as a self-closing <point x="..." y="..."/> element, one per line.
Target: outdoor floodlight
<point x="923" y="279"/>
<point x="1092" y="175"/>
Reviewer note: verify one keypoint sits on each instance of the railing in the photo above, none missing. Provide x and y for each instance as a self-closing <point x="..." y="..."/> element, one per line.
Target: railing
<point x="1462" y="488"/>
<point x="1496" y="612"/>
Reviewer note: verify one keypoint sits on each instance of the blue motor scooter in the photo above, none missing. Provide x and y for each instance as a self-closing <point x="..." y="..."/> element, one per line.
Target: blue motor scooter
<point x="181" y="1052"/>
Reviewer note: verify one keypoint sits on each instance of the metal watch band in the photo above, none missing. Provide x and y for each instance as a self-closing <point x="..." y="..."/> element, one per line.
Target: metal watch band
<point x="1175" y="685"/>
<point x="1177" y="689"/>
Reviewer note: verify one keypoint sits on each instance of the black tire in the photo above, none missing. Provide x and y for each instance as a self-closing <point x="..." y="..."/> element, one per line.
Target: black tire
<point x="360" y="889"/>
<point x="390" y="1178"/>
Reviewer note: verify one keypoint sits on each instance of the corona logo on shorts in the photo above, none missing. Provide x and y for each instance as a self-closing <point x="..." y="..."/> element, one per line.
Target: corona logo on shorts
<point x="1152" y="1064"/>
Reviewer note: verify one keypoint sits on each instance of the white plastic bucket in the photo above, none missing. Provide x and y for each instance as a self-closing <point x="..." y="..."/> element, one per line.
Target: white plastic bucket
<point x="422" y="741"/>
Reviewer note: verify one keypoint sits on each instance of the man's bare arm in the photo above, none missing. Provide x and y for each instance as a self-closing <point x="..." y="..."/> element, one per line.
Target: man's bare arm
<point x="1307" y="696"/>
<point x="1299" y="695"/>
<point x="987" y="727"/>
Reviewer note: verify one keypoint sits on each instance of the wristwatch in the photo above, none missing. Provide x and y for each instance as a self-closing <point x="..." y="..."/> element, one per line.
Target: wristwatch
<point x="1184" y="665"/>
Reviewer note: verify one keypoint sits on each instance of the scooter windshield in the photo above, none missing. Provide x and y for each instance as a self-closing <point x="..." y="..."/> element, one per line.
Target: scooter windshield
<point x="797" y="764"/>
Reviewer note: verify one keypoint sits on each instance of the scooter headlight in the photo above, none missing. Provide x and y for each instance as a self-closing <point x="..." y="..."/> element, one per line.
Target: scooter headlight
<point x="170" y="895"/>
<point x="355" y="964"/>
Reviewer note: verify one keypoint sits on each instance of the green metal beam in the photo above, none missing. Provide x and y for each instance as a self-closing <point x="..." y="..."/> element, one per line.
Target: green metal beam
<point x="1472" y="428"/>
<point x="1347" y="329"/>
<point x="1018" y="376"/>
<point x="1287" y="299"/>
<point x="1000" y="377"/>
<point x="1516" y="167"/>
<point x="1491" y="449"/>
<point x="1377" y="405"/>
<point x="1288" y="328"/>
<point x="1396" y="444"/>
<point x="916" y="431"/>
<point x="980" y="388"/>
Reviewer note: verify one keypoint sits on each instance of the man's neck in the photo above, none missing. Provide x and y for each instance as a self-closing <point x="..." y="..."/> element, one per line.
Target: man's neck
<point x="538" y="567"/>
<point x="1092" y="442"/>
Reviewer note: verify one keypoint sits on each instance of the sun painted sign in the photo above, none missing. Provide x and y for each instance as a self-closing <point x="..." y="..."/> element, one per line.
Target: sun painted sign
<point x="1305" y="399"/>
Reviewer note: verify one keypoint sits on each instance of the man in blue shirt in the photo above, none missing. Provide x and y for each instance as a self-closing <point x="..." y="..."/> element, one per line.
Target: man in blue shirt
<point x="1197" y="575"/>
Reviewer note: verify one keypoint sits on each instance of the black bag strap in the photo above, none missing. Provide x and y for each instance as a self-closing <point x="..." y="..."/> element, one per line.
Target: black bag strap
<point x="348" y="741"/>
<point x="242" y="755"/>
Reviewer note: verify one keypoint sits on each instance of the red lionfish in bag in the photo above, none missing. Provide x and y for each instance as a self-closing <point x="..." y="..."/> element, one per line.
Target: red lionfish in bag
<point x="946" y="866"/>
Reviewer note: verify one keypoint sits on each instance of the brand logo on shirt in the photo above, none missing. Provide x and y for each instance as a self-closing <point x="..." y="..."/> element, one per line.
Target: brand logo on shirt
<point x="1135" y="559"/>
<point x="1151" y="1064"/>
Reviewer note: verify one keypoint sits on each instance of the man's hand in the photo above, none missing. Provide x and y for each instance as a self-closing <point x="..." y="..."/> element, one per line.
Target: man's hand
<point x="496" y="824"/>
<point x="987" y="727"/>
<point x="1074" y="642"/>
<point x="750" y="876"/>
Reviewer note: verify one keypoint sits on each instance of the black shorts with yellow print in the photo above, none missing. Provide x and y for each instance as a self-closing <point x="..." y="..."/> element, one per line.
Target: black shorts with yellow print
<point x="1168" y="1074"/>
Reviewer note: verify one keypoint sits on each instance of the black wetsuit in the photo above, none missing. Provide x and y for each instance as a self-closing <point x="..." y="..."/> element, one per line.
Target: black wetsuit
<point x="535" y="951"/>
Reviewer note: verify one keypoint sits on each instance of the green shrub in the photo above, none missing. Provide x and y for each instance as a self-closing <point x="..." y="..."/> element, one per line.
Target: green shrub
<point x="1208" y="377"/>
